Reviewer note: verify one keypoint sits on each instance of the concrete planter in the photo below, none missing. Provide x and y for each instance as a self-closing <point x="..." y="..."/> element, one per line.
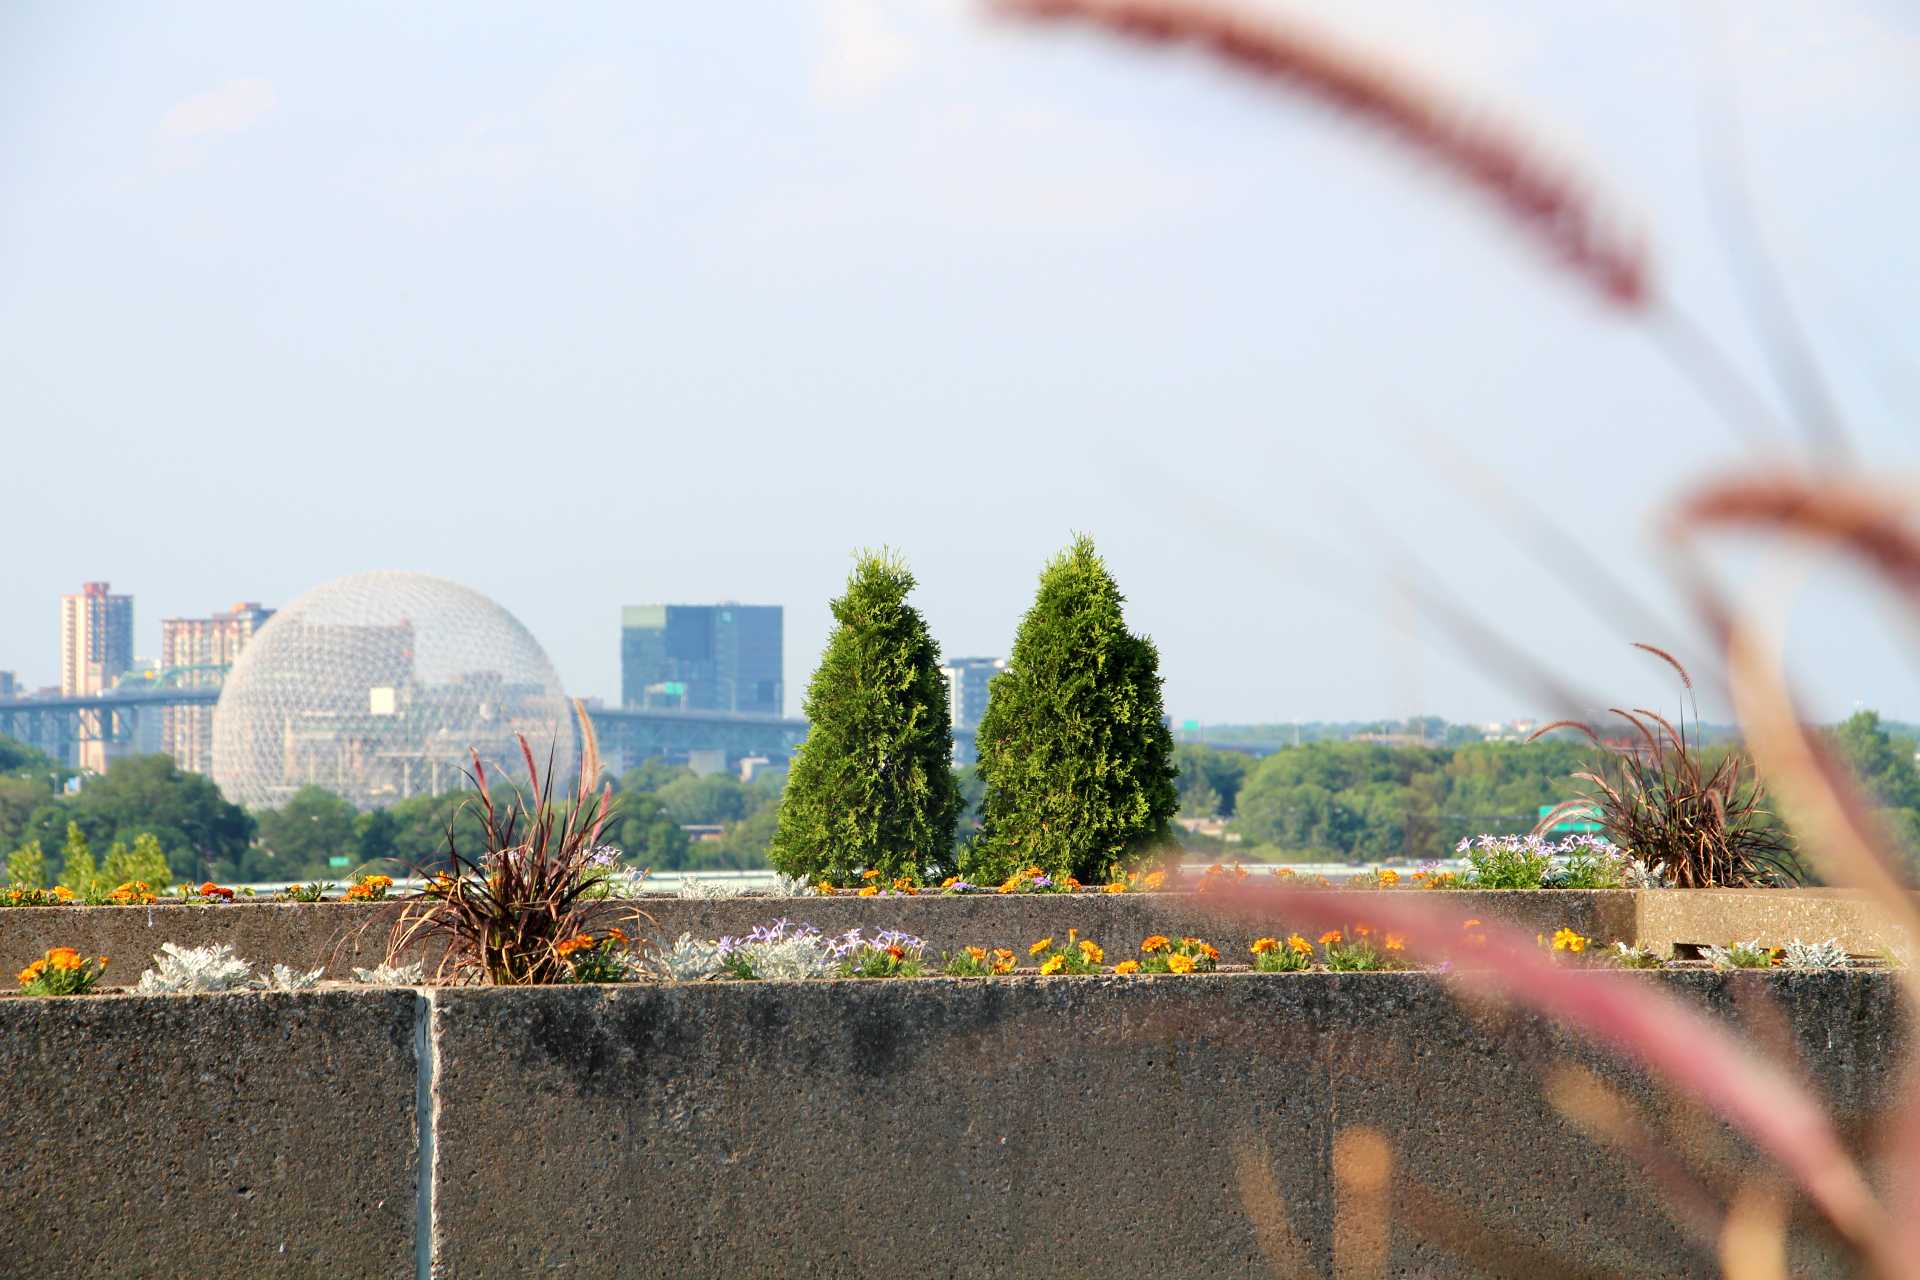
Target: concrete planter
<point x="338" y="936"/>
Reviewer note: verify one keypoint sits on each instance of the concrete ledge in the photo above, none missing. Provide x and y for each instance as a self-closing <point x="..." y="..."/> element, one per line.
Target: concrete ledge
<point x="210" y="1136"/>
<point x="1236" y="1125"/>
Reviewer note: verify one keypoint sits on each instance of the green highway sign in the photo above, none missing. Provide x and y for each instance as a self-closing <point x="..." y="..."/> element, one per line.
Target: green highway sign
<point x="339" y="860"/>
<point x="1580" y="821"/>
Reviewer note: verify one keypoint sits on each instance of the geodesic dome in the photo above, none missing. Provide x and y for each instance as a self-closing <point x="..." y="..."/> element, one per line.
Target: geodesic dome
<point x="376" y="686"/>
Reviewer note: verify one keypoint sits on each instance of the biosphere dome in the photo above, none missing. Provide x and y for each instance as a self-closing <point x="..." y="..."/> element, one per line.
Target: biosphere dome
<point x="376" y="686"/>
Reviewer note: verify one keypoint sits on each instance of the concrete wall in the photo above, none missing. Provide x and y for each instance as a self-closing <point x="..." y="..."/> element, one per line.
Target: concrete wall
<point x="209" y="1136"/>
<point x="1240" y="1125"/>
<point x="1231" y="1125"/>
<point x="339" y="936"/>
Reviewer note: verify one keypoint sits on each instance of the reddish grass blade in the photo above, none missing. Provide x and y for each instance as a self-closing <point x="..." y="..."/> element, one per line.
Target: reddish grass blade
<point x="1537" y="195"/>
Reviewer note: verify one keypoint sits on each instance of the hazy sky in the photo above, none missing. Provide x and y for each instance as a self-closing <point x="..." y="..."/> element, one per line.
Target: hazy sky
<point x="601" y="304"/>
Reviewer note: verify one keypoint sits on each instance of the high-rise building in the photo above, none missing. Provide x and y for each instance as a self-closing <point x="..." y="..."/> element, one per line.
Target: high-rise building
<point x="96" y="646"/>
<point x="702" y="657"/>
<point x="197" y="652"/>
<point x="967" y="681"/>
<point x="10" y="685"/>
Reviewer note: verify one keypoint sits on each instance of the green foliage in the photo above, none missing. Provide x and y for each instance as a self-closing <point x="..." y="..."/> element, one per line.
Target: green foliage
<point x="376" y="837"/>
<point x="872" y="786"/>
<point x="1508" y="862"/>
<point x="27" y="867"/>
<point x="146" y="862"/>
<point x="1074" y="748"/>
<point x="717" y="798"/>
<point x="1210" y="779"/>
<point x="78" y="870"/>
<point x="647" y="833"/>
<point x="314" y="825"/>
<point x="1884" y="763"/>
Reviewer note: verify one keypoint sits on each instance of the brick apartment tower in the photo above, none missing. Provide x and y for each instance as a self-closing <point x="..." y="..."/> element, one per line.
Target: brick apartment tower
<point x="200" y="651"/>
<point x="96" y="647"/>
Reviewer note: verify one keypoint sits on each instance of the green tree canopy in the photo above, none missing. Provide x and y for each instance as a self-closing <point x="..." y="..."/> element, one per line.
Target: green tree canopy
<point x="1074" y="747"/>
<point x="313" y="826"/>
<point x="872" y="786"/>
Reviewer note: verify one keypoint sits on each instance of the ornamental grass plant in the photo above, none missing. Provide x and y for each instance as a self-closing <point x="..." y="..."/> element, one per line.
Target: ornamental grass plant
<point x="502" y="910"/>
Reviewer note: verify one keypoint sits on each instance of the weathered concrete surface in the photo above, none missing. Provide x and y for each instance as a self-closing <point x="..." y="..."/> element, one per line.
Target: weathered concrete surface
<point x="1196" y="1126"/>
<point x="208" y="1136"/>
<point x="1700" y="917"/>
<point x="339" y="936"/>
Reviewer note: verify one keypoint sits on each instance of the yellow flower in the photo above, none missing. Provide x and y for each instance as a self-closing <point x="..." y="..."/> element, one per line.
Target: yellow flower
<point x="869" y="891"/>
<point x="1053" y="964"/>
<point x="1210" y="951"/>
<point x="1178" y="963"/>
<point x="1090" y="951"/>
<point x="1263" y="945"/>
<point x="1010" y="885"/>
<point x="32" y="971"/>
<point x="63" y="893"/>
<point x="1127" y="966"/>
<point x="824" y="888"/>
<point x="1118" y="886"/>
<point x="1396" y="943"/>
<point x="377" y="882"/>
<point x="949" y="882"/>
<point x="1032" y="873"/>
<point x="1471" y="924"/>
<point x="1388" y="877"/>
<point x="1281" y="873"/>
<point x="1152" y="881"/>
<point x="1299" y="945"/>
<point x="1072" y="883"/>
<point x="1330" y="937"/>
<point x="1002" y="960"/>
<point x="1158" y="942"/>
<point x="65" y="959"/>
<point x="1568" y="940"/>
<point x="871" y="873"/>
<point x="1362" y="930"/>
<point x="904" y="885"/>
<point x="977" y="954"/>
<point x="1039" y="946"/>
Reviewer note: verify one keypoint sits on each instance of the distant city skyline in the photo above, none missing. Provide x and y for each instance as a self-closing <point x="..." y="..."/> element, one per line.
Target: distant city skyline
<point x="661" y="303"/>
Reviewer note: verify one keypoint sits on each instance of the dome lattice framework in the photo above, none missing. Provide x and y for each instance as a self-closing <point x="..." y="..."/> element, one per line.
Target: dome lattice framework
<point x="376" y="686"/>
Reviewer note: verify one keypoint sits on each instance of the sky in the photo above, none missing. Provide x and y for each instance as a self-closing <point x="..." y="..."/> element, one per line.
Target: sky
<point x="610" y="304"/>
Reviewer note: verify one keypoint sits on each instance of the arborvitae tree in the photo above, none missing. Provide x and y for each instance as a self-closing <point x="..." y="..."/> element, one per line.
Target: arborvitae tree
<point x="27" y="867"/>
<point x="872" y="787"/>
<point x="77" y="869"/>
<point x="1074" y="748"/>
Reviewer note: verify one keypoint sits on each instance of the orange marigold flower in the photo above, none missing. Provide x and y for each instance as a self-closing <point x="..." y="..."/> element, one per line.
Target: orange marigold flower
<point x="1471" y="924"/>
<point x="1210" y="951"/>
<point x="896" y="952"/>
<point x="578" y="942"/>
<point x="1263" y="945"/>
<point x="1090" y="951"/>
<point x="1153" y="880"/>
<point x="1568" y="940"/>
<point x="1363" y="930"/>
<point x="872" y="873"/>
<point x="1010" y="885"/>
<point x="1032" y="873"/>
<point x="1388" y="877"/>
<point x="949" y="882"/>
<point x="1002" y="960"/>
<point x="1396" y="943"/>
<point x="1053" y="964"/>
<point x="824" y="888"/>
<point x="1127" y="966"/>
<point x="63" y="958"/>
<point x="1177" y="963"/>
<point x="1330" y="937"/>
<point x="870" y="891"/>
<point x="977" y="954"/>
<point x="904" y="885"/>
<point x="1072" y="883"/>
<point x="1299" y="944"/>
<point x="1118" y="886"/>
<point x="617" y="934"/>
<point x="1039" y="946"/>
<point x="1158" y="942"/>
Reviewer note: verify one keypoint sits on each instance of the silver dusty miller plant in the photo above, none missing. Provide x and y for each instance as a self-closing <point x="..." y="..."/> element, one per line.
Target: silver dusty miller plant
<point x="181" y="970"/>
<point x="392" y="975"/>
<point x="1818" y="955"/>
<point x="285" y="978"/>
<point x="686" y="959"/>
<point x="692" y="888"/>
<point x="781" y="951"/>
